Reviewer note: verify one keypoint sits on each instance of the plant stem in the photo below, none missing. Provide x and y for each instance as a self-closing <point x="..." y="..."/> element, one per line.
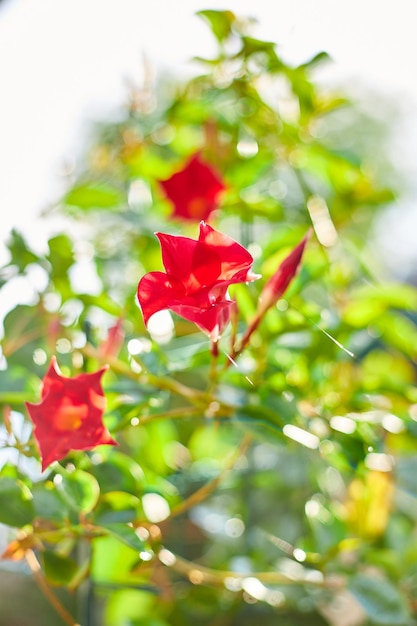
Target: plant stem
<point x="214" y="350"/>
<point x="204" y="491"/>
<point x="199" y="574"/>
<point x="167" y="384"/>
<point x="243" y="342"/>
<point x="35" y="568"/>
<point x="186" y="411"/>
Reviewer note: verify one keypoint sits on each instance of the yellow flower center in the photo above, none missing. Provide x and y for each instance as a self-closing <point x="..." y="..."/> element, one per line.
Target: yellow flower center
<point x="70" y="416"/>
<point x="197" y="207"/>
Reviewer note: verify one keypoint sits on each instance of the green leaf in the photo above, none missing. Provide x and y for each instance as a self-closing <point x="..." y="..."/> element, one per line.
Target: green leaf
<point x="21" y="255"/>
<point x="94" y="196"/>
<point x="406" y="472"/>
<point x="24" y="329"/>
<point x="360" y="313"/>
<point x="316" y="59"/>
<point x="113" y="560"/>
<point x="126" y="534"/>
<point x="16" y="505"/>
<point x="58" y="569"/>
<point x="61" y="255"/>
<point x="254" y="46"/>
<point x="117" y="507"/>
<point x="79" y="490"/>
<point x="119" y="473"/>
<point x="13" y="387"/>
<point x="366" y="304"/>
<point x="398" y="331"/>
<point x="262" y="421"/>
<point x="383" y="603"/>
<point x="220" y="22"/>
<point x="152" y="622"/>
<point x="47" y="503"/>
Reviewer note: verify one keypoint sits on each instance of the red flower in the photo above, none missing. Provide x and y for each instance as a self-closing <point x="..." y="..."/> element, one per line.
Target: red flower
<point x="194" y="191"/>
<point x="198" y="273"/>
<point x="69" y="417"/>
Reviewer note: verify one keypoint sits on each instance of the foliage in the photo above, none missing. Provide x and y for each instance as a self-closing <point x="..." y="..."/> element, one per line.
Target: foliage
<point x="277" y="485"/>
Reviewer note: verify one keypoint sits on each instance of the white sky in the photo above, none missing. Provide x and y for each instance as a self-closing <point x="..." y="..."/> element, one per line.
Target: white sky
<point x="63" y="62"/>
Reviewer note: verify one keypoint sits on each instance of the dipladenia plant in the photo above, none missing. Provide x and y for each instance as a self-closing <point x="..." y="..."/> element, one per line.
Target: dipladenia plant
<point x="208" y="402"/>
<point x="199" y="272"/>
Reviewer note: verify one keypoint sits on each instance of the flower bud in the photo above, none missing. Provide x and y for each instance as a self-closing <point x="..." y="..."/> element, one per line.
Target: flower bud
<point x="279" y="281"/>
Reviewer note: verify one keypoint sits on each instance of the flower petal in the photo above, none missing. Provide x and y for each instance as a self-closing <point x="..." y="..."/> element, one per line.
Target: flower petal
<point x="157" y="291"/>
<point x="236" y="261"/>
<point x="177" y="255"/>
<point x="211" y="320"/>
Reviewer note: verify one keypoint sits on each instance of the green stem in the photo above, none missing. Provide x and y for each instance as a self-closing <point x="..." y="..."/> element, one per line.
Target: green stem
<point x="206" y="575"/>
<point x="204" y="491"/>
<point x="35" y="568"/>
<point x="186" y="411"/>
<point x="14" y="397"/>
<point x="244" y="341"/>
<point x="213" y="375"/>
<point x="195" y="396"/>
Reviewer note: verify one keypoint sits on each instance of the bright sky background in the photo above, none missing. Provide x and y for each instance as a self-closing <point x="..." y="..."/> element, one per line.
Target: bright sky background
<point x="65" y="62"/>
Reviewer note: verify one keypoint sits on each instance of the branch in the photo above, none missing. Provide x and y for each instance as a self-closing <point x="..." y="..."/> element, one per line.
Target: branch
<point x="199" y="574"/>
<point x="35" y="568"/>
<point x="204" y="491"/>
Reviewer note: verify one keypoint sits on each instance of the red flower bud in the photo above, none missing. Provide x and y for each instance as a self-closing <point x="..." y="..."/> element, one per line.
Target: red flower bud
<point x="278" y="283"/>
<point x="69" y="416"/>
<point x="110" y="347"/>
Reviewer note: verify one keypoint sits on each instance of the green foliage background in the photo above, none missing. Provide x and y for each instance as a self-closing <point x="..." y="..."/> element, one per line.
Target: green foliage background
<point x="290" y="483"/>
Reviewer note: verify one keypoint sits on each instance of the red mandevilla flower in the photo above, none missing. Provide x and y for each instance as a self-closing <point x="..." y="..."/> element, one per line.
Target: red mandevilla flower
<point x="69" y="416"/>
<point x="198" y="274"/>
<point x="194" y="191"/>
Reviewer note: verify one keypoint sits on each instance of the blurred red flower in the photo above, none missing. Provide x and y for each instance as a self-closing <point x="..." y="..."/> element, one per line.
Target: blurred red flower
<point x="195" y="190"/>
<point x="198" y="273"/>
<point x="69" y="416"/>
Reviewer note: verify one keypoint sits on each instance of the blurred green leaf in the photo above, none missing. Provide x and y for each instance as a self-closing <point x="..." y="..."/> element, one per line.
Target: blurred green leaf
<point x="117" y="507"/>
<point x="59" y="569"/>
<point x="221" y="22"/>
<point x="119" y="472"/>
<point x="126" y="534"/>
<point x="16" y="504"/>
<point x="21" y="254"/>
<point x="61" y="254"/>
<point x="94" y="196"/>
<point x="79" y="489"/>
<point x="383" y="603"/>
<point x="262" y="421"/>
<point x="367" y="303"/>
<point x="47" y="503"/>
<point x="25" y="329"/>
